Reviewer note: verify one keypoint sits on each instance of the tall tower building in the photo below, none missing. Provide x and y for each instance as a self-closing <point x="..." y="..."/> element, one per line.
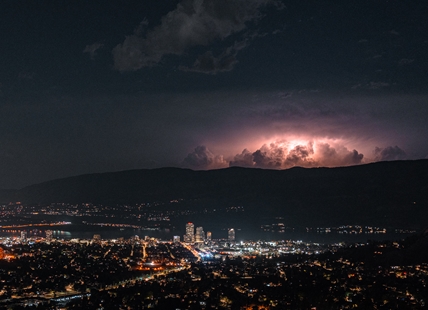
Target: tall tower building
<point x="24" y="235"/>
<point x="231" y="234"/>
<point x="190" y="233"/>
<point x="48" y="234"/>
<point x="209" y="236"/>
<point x="200" y="235"/>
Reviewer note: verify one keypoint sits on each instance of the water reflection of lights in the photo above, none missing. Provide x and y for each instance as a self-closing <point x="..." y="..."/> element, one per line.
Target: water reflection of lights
<point x="61" y="233"/>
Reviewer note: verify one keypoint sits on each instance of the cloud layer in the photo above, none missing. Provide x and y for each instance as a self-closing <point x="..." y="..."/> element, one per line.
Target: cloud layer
<point x="283" y="155"/>
<point x="192" y="23"/>
<point x="209" y="64"/>
<point x="389" y="153"/>
<point x="92" y="49"/>
<point x="203" y="158"/>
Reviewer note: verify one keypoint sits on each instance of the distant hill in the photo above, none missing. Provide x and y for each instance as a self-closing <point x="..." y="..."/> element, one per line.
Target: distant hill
<point x="7" y="195"/>
<point x="413" y="250"/>
<point x="385" y="192"/>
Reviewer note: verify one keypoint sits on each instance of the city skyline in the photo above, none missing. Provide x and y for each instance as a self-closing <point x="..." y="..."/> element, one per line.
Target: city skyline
<point x="95" y="87"/>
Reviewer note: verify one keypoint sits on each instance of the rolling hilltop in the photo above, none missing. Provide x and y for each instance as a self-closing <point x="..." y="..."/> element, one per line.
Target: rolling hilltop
<point x="394" y="193"/>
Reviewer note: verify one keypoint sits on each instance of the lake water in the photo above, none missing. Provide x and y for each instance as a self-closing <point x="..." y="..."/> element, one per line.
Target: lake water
<point x="87" y="232"/>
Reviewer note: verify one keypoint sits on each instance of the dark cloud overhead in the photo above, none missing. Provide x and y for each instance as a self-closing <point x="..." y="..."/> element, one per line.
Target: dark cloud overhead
<point x="192" y="23"/>
<point x="92" y="49"/>
<point x="209" y="64"/>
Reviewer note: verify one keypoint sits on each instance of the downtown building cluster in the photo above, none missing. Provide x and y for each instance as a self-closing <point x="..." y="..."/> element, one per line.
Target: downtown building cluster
<point x="199" y="237"/>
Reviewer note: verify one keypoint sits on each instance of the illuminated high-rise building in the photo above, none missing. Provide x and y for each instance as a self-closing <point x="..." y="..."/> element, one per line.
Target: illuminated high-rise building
<point x="231" y="234"/>
<point x="209" y="236"/>
<point x="24" y="235"/>
<point x="176" y="239"/>
<point x="200" y="235"/>
<point x="135" y="239"/>
<point x="49" y="234"/>
<point x="190" y="233"/>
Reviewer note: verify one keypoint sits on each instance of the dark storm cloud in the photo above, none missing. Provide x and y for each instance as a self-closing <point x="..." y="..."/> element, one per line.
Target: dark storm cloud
<point x="203" y="158"/>
<point x="92" y="49"/>
<point x="192" y="23"/>
<point x="245" y="159"/>
<point x="389" y="153"/>
<point x="268" y="156"/>
<point x="207" y="63"/>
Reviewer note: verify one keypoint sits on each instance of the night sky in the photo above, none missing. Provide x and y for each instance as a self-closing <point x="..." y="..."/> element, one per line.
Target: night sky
<point x="97" y="86"/>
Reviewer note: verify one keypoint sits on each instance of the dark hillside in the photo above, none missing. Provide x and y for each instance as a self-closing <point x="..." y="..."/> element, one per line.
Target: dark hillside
<point x="384" y="192"/>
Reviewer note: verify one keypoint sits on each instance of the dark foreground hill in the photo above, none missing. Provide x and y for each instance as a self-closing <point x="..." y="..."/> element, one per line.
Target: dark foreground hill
<point x="386" y="192"/>
<point x="412" y="250"/>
